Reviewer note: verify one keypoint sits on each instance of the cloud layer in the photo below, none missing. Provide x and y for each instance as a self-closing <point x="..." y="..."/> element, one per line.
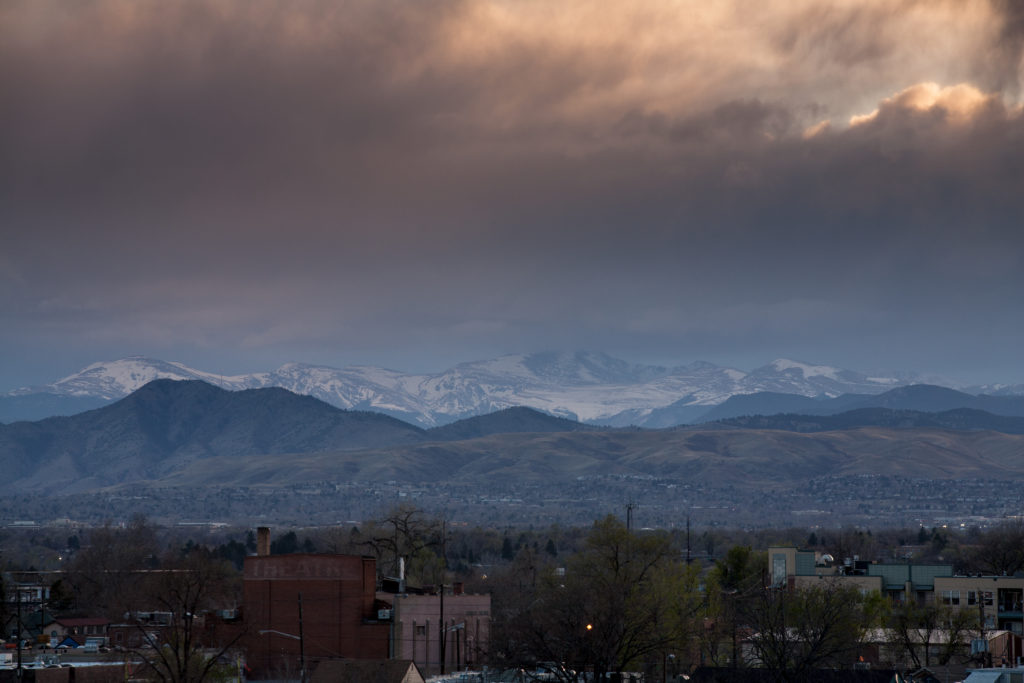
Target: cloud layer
<point x="417" y="182"/>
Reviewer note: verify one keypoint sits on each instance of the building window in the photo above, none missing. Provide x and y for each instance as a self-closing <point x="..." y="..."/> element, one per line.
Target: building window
<point x="421" y="630"/>
<point x="950" y="597"/>
<point x="972" y="597"/>
<point x="778" y="569"/>
<point x="988" y="598"/>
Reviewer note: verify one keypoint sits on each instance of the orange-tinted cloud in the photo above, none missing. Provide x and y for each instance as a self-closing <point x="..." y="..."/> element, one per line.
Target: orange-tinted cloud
<point x="363" y="171"/>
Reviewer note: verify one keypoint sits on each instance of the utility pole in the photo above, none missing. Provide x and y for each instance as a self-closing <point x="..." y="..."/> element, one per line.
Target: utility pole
<point x="444" y="567"/>
<point x="630" y="506"/>
<point x="440" y="625"/>
<point x="302" y="646"/>
<point x="689" y="558"/>
<point x="21" y="673"/>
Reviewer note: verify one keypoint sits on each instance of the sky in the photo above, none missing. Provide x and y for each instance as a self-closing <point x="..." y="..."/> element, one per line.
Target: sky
<point x="235" y="184"/>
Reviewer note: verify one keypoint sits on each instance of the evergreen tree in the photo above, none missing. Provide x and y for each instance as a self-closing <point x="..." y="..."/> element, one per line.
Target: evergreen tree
<point x="285" y="545"/>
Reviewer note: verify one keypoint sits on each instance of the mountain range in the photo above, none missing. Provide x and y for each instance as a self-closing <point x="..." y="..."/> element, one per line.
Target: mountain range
<point x="593" y="388"/>
<point x="191" y="433"/>
<point x="924" y="398"/>
<point x="168" y="425"/>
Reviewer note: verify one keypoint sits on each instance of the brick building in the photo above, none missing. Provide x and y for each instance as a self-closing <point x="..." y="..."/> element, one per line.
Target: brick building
<point x="336" y="597"/>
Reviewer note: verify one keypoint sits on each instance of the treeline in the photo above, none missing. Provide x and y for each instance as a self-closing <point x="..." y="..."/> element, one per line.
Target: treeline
<point x="466" y="548"/>
<point x="602" y="598"/>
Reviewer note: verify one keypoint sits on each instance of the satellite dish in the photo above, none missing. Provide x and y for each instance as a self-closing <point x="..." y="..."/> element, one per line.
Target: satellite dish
<point x="827" y="559"/>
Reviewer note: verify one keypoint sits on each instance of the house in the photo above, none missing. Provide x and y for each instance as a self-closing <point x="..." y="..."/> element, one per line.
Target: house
<point x="366" y="671"/>
<point x="77" y="629"/>
<point x="31" y="626"/>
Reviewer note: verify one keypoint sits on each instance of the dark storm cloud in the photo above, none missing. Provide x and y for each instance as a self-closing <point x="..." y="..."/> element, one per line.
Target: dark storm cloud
<point x="672" y="178"/>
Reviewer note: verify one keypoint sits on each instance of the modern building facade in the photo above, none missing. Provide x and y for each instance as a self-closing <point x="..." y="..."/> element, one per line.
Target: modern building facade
<point x="900" y="582"/>
<point x="998" y="601"/>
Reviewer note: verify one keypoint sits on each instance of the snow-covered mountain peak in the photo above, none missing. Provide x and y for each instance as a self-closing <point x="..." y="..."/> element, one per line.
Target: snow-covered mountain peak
<point x="587" y="367"/>
<point x="562" y="368"/>
<point x="114" y="379"/>
<point x="805" y="369"/>
<point x="294" y="367"/>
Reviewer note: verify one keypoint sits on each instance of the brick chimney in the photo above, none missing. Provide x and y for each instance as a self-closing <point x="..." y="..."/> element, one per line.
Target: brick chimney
<point x="263" y="541"/>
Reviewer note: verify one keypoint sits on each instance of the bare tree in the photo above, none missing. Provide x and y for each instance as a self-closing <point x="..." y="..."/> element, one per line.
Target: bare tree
<point x="799" y="631"/>
<point x="919" y="632"/>
<point x="103" y="574"/>
<point x="186" y="646"/>
<point x="1000" y="550"/>
<point x="407" y="532"/>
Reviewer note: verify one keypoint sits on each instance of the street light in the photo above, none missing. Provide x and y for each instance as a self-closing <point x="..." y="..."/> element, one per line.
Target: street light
<point x="302" y="653"/>
<point x="456" y="628"/>
<point x="588" y="650"/>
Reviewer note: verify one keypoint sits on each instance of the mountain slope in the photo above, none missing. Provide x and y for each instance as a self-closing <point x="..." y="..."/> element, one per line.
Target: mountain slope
<point x="961" y="419"/>
<point x="921" y="397"/>
<point x="924" y="398"/>
<point x="764" y="403"/>
<point x="507" y="421"/>
<point x="190" y="432"/>
<point x="167" y="423"/>
<point x="746" y="459"/>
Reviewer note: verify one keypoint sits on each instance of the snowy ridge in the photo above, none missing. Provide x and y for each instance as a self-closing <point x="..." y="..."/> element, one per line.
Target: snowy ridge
<point x="116" y="379"/>
<point x="591" y="387"/>
<point x="784" y="364"/>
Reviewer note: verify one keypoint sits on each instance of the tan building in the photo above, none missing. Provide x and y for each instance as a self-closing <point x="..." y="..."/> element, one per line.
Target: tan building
<point x="996" y="599"/>
<point x="899" y="582"/>
<point x="419" y="624"/>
